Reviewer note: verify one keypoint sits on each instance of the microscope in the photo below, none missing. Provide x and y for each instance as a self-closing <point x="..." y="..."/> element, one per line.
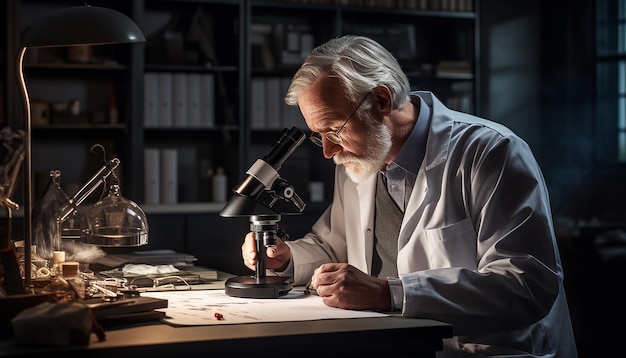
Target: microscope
<point x="263" y="196"/>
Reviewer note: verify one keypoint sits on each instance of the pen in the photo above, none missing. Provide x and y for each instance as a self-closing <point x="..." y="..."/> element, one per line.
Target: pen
<point x="308" y="289"/>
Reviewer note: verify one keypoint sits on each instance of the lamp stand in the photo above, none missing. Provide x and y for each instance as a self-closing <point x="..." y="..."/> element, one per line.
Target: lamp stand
<point x="28" y="185"/>
<point x="74" y="26"/>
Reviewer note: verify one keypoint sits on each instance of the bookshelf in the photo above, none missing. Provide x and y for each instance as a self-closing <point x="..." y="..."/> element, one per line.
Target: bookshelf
<point x="283" y="32"/>
<point x="247" y="50"/>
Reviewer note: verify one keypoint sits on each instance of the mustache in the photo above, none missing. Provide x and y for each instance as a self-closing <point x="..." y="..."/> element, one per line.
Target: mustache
<point x="344" y="157"/>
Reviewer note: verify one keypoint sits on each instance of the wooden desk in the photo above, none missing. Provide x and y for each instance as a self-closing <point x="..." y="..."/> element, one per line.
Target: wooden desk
<point x="381" y="336"/>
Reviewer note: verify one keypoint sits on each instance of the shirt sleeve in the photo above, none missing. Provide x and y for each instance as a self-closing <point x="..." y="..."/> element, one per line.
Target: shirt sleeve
<point x="397" y="293"/>
<point x="288" y="271"/>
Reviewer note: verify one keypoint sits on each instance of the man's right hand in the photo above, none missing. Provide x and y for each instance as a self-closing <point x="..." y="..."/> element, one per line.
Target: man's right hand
<point x="277" y="257"/>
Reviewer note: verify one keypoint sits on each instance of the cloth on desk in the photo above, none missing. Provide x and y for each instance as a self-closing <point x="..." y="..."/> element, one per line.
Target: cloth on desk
<point x="51" y="324"/>
<point x="144" y="269"/>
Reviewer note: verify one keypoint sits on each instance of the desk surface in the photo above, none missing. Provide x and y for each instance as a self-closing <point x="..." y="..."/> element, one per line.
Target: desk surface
<point x="394" y="335"/>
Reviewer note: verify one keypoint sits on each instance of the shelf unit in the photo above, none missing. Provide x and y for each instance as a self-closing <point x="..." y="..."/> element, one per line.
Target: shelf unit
<point x="76" y="101"/>
<point x="240" y="41"/>
<point x="232" y="55"/>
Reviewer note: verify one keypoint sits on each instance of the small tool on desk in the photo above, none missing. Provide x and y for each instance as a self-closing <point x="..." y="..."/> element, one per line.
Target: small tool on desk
<point x="109" y="296"/>
<point x="309" y="289"/>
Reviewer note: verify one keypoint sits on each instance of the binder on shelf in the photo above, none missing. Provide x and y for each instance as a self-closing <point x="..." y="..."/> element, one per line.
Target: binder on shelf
<point x="169" y="176"/>
<point x="257" y="109"/>
<point x="207" y="100"/>
<point x="273" y="101"/>
<point x="179" y="100"/>
<point x="194" y="116"/>
<point x="164" y="90"/>
<point x="150" y="100"/>
<point x="152" y="176"/>
<point x="187" y="173"/>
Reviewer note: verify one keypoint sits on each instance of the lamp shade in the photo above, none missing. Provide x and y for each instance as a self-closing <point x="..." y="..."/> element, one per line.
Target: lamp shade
<point x="82" y="25"/>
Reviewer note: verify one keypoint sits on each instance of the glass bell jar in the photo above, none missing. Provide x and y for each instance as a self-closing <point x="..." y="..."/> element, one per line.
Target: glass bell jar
<point x="116" y="221"/>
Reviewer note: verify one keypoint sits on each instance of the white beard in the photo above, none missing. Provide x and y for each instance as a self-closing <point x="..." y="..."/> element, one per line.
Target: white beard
<point x="377" y="150"/>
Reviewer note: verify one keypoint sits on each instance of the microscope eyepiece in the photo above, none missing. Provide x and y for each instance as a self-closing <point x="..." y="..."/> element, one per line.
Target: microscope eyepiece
<point x="282" y="149"/>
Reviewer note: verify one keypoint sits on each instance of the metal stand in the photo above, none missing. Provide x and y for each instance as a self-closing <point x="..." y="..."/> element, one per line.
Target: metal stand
<point x="260" y="285"/>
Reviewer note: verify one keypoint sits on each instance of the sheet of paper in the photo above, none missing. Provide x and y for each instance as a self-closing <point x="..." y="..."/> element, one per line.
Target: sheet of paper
<point x="199" y="307"/>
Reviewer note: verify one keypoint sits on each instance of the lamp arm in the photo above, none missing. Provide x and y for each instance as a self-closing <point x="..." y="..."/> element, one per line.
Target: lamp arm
<point x="28" y="187"/>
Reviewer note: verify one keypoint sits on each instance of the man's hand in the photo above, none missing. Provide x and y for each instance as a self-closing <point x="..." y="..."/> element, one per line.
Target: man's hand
<point x="277" y="257"/>
<point x="344" y="286"/>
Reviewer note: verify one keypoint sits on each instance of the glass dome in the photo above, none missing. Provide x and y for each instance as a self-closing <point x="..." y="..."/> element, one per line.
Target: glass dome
<point x="116" y="221"/>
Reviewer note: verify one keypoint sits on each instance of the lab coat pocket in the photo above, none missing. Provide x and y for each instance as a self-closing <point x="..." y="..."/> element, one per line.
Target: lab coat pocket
<point x="452" y="246"/>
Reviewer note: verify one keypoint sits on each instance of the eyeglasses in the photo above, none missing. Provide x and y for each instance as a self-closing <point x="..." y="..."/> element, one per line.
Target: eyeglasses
<point x="335" y="137"/>
<point x="159" y="283"/>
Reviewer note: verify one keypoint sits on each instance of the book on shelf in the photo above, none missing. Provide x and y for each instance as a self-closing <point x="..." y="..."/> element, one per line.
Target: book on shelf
<point x="207" y="100"/>
<point x="453" y="68"/>
<point x="165" y="86"/>
<point x="260" y="44"/>
<point x="151" y="96"/>
<point x="461" y="96"/>
<point x="152" y="174"/>
<point x="292" y="43"/>
<point x="179" y="100"/>
<point x="169" y="176"/>
<point x="273" y="97"/>
<point x="194" y="98"/>
<point x="258" y="105"/>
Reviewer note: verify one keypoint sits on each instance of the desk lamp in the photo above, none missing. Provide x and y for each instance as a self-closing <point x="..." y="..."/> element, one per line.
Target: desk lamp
<point x="257" y="197"/>
<point x="74" y="26"/>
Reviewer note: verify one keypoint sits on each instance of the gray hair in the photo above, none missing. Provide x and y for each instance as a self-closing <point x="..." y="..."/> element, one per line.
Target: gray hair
<point x="359" y="62"/>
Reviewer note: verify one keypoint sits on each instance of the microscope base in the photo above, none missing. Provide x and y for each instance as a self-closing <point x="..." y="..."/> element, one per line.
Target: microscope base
<point x="258" y="287"/>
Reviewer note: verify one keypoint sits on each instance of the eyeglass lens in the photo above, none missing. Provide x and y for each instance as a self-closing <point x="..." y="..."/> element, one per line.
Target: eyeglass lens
<point x="335" y="137"/>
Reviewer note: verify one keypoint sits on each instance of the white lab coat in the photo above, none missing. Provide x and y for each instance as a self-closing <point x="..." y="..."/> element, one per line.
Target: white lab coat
<point x="476" y="248"/>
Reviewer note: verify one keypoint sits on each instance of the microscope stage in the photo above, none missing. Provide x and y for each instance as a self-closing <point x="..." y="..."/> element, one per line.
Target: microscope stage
<point x="258" y="287"/>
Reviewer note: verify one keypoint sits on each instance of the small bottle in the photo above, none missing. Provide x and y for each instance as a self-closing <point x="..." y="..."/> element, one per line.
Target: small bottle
<point x="67" y="285"/>
<point x="219" y="185"/>
<point x="71" y="272"/>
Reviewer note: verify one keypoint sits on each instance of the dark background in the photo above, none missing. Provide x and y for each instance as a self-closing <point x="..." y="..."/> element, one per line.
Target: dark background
<point x="549" y="99"/>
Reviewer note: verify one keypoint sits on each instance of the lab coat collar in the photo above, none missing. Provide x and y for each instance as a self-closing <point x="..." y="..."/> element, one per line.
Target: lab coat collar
<point x="440" y="131"/>
<point x="415" y="145"/>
